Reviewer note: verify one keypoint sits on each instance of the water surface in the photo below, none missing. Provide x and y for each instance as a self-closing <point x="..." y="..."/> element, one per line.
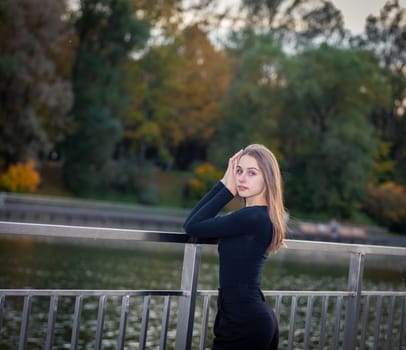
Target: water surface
<point x="65" y="264"/>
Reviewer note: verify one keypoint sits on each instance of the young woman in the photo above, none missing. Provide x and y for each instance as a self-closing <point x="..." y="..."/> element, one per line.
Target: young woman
<point x="244" y="320"/>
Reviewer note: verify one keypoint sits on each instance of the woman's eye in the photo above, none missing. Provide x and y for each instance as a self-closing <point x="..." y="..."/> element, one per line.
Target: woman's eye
<point x="239" y="171"/>
<point x="252" y="173"/>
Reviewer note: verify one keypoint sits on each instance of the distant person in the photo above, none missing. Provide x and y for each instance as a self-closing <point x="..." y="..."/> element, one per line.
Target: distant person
<point x="244" y="320"/>
<point x="334" y="229"/>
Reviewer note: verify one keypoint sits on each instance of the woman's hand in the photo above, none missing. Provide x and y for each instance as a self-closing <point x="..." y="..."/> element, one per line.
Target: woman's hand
<point x="230" y="175"/>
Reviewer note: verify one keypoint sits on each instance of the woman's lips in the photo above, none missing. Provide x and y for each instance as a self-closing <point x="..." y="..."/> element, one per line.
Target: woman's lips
<point x="242" y="188"/>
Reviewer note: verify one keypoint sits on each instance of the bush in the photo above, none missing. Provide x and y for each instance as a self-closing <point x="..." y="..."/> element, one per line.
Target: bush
<point x="20" y="177"/>
<point x="387" y="205"/>
<point x="124" y="175"/>
<point x="149" y="195"/>
<point x="204" y="178"/>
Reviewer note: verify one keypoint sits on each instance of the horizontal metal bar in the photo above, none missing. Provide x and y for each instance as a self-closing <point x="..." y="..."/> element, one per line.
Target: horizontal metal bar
<point x="179" y="293"/>
<point x="67" y="231"/>
<point x="87" y="232"/>
<point x="291" y="293"/>
<point x="383" y="293"/>
<point x="88" y="292"/>
<point x="345" y="248"/>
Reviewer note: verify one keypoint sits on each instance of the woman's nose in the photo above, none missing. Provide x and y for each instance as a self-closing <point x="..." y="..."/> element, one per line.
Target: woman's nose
<point x="241" y="177"/>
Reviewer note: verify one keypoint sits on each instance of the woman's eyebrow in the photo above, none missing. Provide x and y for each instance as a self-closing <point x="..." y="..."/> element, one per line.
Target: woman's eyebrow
<point x="249" y="168"/>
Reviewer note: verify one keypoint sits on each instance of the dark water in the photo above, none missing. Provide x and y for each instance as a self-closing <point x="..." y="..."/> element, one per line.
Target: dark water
<point x="27" y="263"/>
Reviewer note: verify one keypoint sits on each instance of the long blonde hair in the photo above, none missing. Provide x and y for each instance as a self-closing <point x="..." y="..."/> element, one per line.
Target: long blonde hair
<point x="274" y="195"/>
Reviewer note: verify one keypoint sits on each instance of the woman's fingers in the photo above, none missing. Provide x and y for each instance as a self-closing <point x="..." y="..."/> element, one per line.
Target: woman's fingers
<point x="235" y="157"/>
<point x="229" y="176"/>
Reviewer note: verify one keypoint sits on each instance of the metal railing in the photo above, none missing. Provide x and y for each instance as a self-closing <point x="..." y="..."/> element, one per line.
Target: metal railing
<point x="337" y="319"/>
<point x="71" y="211"/>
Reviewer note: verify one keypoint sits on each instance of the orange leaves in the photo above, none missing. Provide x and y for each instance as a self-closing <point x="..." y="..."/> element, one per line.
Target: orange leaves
<point x="203" y="81"/>
<point x="387" y="204"/>
<point x="20" y="177"/>
<point x="205" y="176"/>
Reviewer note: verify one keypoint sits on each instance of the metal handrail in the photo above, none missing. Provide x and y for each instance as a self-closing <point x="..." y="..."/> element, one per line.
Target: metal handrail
<point x="188" y="292"/>
<point x="70" y="231"/>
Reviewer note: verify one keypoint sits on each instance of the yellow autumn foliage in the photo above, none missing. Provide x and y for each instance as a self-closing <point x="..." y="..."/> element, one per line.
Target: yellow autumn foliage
<point x="20" y="177"/>
<point x="387" y="204"/>
<point x="204" y="177"/>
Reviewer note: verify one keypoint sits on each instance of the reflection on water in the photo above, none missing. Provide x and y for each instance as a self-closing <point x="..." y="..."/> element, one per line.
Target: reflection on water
<point x="27" y="263"/>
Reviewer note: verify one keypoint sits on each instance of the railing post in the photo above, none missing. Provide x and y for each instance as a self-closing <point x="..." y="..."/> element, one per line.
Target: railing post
<point x="355" y="274"/>
<point x="186" y="311"/>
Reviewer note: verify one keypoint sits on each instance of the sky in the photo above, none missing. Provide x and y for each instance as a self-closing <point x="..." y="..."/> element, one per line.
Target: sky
<point x="356" y="11"/>
<point x="354" y="14"/>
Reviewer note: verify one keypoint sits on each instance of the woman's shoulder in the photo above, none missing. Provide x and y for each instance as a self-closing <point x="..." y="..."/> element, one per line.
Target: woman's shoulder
<point x="256" y="209"/>
<point x="254" y="213"/>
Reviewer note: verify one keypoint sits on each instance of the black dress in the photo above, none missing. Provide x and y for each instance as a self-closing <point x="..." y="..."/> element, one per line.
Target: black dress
<point x="244" y="321"/>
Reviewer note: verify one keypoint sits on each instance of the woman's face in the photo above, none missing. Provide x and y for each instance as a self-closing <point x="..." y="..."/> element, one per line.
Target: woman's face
<point x="250" y="181"/>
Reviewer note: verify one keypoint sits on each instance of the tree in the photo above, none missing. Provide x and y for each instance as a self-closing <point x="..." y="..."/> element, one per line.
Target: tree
<point x="151" y="84"/>
<point x="385" y="36"/>
<point x="328" y="140"/>
<point x="252" y="107"/>
<point x="35" y="90"/>
<point x="312" y="109"/>
<point x="107" y="31"/>
<point x="297" y="23"/>
<point x="176" y="89"/>
<point x="202" y="80"/>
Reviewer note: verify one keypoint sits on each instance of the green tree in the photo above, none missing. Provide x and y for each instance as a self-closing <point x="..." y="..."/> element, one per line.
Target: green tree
<point x="252" y="108"/>
<point x="385" y="36"/>
<point x="202" y="81"/>
<point x="107" y="32"/>
<point x="327" y="138"/>
<point x="313" y="110"/>
<point x="35" y="91"/>
<point x="176" y="89"/>
<point x="297" y="23"/>
<point x="150" y="82"/>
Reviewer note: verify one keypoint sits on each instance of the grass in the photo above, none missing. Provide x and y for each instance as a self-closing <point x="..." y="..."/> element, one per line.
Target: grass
<point x="51" y="180"/>
<point x="169" y="185"/>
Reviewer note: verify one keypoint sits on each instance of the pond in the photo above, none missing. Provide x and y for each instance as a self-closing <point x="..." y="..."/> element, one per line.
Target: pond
<point x="82" y="264"/>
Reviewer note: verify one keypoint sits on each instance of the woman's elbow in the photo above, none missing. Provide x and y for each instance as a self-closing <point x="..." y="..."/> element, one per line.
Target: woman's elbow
<point x="189" y="230"/>
<point x="186" y="228"/>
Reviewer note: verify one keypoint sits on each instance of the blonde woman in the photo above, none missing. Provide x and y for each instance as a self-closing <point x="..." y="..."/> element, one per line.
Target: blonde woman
<point x="246" y="236"/>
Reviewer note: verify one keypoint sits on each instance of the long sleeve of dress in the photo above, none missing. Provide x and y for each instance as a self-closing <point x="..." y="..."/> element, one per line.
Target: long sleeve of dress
<point x="206" y="198"/>
<point x="203" y="222"/>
